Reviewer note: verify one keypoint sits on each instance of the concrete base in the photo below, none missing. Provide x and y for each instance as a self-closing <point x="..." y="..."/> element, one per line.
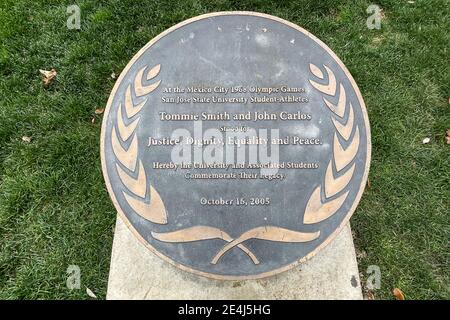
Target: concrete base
<point x="137" y="273"/>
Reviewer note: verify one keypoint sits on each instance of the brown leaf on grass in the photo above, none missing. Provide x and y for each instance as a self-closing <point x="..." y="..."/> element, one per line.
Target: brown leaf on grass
<point x="93" y="120"/>
<point x="398" y="294"/>
<point x="447" y="136"/>
<point x="26" y="139"/>
<point x="361" y="254"/>
<point x="47" y="76"/>
<point x="99" y="110"/>
<point x="369" y="184"/>
<point x="90" y="293"/>
<point x="370" y="295"/>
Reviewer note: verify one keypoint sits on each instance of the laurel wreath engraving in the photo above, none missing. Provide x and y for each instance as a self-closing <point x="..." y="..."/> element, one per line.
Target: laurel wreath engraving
<point x="324" y="202"/>
<point x="135" y="180"/>
<point x="316" y="209"/>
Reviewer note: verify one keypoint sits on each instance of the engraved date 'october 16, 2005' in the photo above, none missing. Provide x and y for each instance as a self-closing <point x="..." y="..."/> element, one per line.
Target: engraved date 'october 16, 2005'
<point x="259" y="201"/>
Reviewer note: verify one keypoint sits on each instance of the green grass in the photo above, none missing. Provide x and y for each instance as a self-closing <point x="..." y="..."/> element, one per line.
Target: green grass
<point x="54" y="208"/>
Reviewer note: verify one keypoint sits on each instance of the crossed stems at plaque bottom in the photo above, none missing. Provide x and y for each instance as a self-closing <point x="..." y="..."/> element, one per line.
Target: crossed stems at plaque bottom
<point x="271" y="233"/>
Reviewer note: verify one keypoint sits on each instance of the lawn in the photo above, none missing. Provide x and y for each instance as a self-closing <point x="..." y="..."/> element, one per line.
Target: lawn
<point x="54" y="207"/>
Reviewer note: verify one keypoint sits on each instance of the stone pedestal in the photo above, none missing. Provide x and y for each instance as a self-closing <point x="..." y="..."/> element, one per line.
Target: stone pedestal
<point x="136" y="273"/>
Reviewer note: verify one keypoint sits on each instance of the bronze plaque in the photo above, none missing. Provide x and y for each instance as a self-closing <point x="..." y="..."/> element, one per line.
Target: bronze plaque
<point x="235" y="145"/>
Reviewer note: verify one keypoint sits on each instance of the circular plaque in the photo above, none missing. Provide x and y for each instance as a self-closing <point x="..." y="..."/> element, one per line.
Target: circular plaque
<point x="235" y="145"/>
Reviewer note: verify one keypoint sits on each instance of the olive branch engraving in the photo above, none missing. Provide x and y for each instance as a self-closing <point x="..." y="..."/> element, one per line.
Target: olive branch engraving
<point x="325" y="200"/>
<point x="135" y="179"/>
<point x="201" y="233"/>
<point x="316" y="209"/>
<point x="271" y="233"/>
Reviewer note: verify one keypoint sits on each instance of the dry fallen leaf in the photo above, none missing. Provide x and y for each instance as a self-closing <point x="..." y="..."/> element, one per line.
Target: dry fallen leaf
<point x="113" y="75"/>
<point x="361" y="254"/>
<point x="93" y="120"/>
<point x="99" y="110"/>
<point x="368" y="183"/>
<point x="26" y="139"/>
<point x="90" y="293"/>
<point x="447" y="136"/>
<point x="398" y="294"/>
<point x="48" y="76"/>
<point x="426" y="140"/>
<point x="370" y="295"/>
